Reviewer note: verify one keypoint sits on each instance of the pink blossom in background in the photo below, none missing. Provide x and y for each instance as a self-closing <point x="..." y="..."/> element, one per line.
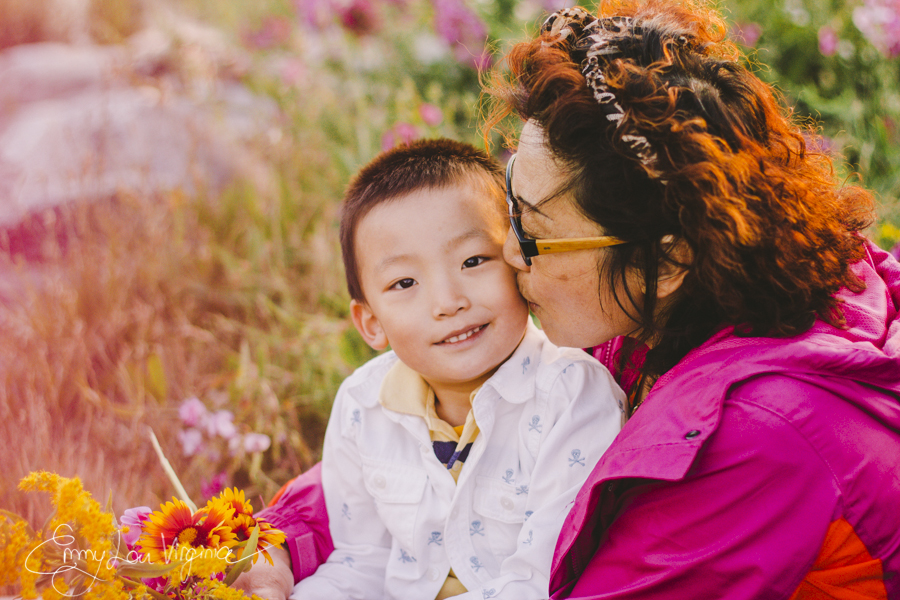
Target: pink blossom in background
<point x="828" y="41"/>
<point x="463" y="31"/>
<point x="293" y="72"/>
<point x="555" y="5"/>
<point x="221" y="423"/>
<point x="214" y="485"/>
<point x="879" y="22"/>
<point x="360" y="17"/>
<point x="431" y="114"/>
<point x="134" y="519"/>
<point x="821" y="144"/>
<point x="191" y="441"/>
<point x="274" y="31"/>
<point x="257" y="442"/>
<point x="895" y="251"/>
<point x="315" y="14"/>
<point x="192" y="412"/>
<point x="746" y="34"/>
<point x="401" y="133"/>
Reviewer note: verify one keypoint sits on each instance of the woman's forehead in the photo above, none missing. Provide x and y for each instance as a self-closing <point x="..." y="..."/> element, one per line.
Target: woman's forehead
<point x="537" y="175"/>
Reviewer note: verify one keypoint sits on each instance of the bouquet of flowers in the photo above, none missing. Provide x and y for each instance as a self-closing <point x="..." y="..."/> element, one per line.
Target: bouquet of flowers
<point x="175" y="552"/>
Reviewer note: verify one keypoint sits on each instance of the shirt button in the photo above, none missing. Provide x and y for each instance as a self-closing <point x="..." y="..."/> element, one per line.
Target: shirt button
<point x="691" y="434"/>
<point x="507" y="503"/>
<point x="424" y="449"/>
<point x="379" y="481"/>
<point x="434" y="574"/>
<point x="454" y="513"/>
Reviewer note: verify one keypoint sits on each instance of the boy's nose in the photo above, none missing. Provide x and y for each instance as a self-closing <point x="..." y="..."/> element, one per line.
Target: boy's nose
<point x="450" y="300"/>
<point x="512" y="253"/>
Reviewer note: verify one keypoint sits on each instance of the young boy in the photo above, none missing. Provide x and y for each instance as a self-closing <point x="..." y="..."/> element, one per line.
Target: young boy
<point x="450" y="462"/>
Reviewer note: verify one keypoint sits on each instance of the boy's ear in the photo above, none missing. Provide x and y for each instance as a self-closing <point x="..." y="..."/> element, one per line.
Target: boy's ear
<point x="367" y="325"/>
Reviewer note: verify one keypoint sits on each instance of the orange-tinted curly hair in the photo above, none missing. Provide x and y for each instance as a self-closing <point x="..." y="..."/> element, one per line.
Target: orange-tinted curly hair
<point x="771" y="232"/>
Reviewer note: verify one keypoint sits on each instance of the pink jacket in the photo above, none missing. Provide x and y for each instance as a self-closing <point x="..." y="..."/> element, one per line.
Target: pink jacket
<point x="745" y="460"/>
<point x="734" y="474"/>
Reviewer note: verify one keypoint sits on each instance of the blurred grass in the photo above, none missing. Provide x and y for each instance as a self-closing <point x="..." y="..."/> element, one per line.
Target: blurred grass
<point x="115" y="311"/>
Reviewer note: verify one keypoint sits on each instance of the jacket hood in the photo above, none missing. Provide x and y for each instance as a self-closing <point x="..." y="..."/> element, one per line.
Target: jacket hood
<point x="866" y="352"/>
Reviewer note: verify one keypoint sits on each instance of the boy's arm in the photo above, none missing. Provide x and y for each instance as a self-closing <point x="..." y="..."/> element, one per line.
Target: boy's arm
<point x="356" y="568"/>
<point x="570" y="447"/>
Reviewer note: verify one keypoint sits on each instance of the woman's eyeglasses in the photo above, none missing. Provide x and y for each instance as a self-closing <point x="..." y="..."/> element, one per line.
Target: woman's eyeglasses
<point x="531" y="247"/>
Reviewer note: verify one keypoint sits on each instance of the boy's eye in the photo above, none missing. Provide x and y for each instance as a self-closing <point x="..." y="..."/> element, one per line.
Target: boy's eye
<point x="403" y="284"/>
<point x="473" y="262"/>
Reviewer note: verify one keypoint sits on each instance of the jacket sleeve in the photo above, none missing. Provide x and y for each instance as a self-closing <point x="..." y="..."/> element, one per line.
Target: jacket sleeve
<point x="299" y="511"/>
<point x="747" y="521"/>
<point x="583" y="419"/>
<point x="356" y="569"/>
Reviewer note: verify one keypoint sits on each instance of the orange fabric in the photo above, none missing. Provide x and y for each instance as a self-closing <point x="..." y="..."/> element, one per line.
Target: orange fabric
<point x="280" y="493"/>
<point x="844" y="569"/>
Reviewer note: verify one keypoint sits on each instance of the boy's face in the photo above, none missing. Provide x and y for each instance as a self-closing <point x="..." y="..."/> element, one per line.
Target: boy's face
<point x="437" y="288"/>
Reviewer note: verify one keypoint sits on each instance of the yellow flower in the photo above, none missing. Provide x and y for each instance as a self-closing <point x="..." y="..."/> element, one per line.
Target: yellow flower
<point x="107" y="590"/>
<point x="234" y="498"/>
<point x="40" y="481"/>
<point x="174" y="525"/>
<point x="20" y="555"/>
<point x="76" y="512"/>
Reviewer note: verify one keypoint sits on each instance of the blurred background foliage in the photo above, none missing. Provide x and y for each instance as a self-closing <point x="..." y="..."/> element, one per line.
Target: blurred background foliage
<point x="220" y="319"/>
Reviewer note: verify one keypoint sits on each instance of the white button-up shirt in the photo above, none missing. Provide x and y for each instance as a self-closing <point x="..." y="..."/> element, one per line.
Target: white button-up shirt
<point x="400" y="523"/>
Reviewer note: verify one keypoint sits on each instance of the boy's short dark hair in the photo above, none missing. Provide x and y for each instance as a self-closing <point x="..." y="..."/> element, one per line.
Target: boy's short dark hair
<point x="432" y="163"/>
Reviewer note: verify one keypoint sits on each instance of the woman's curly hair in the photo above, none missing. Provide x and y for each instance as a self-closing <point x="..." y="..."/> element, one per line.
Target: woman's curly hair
<point x="771" y="233"/>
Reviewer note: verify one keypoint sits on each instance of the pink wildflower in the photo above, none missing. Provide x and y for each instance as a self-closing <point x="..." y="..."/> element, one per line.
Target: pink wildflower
<point x="360" y="18"/>
<point x="257" y="442"/>
<point x="221" y="423"/>
<point x="828" y="40"/>
<point x="315" y="14"/>
<point x="192" y="412"/>
<point x="746" y="34"/>
<point x="879" y="22"/>
<point x="133" y="519"/>
<point x="191" y="441"/>
<point x="214" y="485"/>
<point x="462" y="29"/>
<point x="274" y="31"/>
<point x="431" y="114"/>
<point x="401" y="133"/>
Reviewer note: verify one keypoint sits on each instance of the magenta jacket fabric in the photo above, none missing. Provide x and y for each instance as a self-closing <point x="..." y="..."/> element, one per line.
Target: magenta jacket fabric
<point x="724" y="482"/>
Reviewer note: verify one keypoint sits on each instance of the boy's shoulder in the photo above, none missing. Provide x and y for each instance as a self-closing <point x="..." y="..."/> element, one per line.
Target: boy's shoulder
<point x="367" y="377"/>
<point x="537" y="364"/>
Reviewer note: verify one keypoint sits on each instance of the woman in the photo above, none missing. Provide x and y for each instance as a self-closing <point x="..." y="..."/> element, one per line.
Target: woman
<point x="762" y="456"/>
<point x="720" y="272"/>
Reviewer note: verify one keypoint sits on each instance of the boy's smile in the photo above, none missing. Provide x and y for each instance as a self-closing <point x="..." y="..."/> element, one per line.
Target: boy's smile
<point x="437" y="288"/>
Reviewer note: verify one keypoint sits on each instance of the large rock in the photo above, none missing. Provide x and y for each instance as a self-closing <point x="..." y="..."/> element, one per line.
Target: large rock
<point x="73" y="126"/>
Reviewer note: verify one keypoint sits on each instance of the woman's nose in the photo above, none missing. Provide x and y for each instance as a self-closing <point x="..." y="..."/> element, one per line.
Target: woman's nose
<point x="512" y="253"/>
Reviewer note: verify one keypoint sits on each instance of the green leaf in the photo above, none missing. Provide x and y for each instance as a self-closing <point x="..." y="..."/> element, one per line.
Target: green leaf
<point x="144" y="569"/>
<point x="244" y="562"/>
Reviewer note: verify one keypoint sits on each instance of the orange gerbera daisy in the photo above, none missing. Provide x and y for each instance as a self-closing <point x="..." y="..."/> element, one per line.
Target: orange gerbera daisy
<point x="174" y="525"/>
